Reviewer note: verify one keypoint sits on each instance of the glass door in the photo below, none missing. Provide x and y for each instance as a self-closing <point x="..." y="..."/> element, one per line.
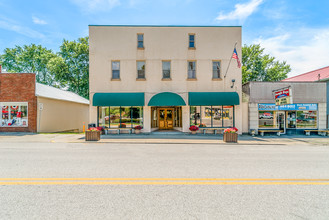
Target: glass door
<point x="291" y="119"/>
<point x="166" y="118"/>
<point x="281" y="121"/>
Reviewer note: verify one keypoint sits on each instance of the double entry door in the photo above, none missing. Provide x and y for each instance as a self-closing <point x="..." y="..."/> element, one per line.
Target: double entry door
<point x="166" y="118"/>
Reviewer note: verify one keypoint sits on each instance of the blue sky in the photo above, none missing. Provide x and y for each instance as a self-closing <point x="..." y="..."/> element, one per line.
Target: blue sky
<point x="294" y="30"/>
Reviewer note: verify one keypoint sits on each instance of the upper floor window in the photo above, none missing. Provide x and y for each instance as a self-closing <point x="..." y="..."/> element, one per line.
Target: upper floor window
<point x="191" y="70"/>
<point x="216" y="69"/>
<point x="115" y="69"/>
<point x="191" y="38"/>
<point x="166" y="69"/>
<point x="140" y="41"/>
<point x="140" y="69"/>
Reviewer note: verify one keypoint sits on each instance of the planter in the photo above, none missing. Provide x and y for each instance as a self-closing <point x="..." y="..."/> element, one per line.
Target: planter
<point x="137" y="131"/>
<point x="230" y="137"/>
<point x="93" y="135"/>
<point x="193" y="132"/>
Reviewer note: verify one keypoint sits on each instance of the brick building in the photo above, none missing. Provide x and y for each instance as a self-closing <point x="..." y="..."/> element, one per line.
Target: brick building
<point x="27" y="106"/>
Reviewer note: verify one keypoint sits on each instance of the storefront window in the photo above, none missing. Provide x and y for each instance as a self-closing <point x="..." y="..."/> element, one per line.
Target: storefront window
<point x="206" y="116"/>
<point x="212" y="116"/>
<point x="14" y="114"/>
<point x="306" y="119"/>
<point x="267" y="119"/>
<point x="228" y="116"/>
<point x="216" y="114"/>
<point x="137" y="116"/>
<point x="195" y="115"/>
<point x="291" y="119"/>
<point x="114" y="117"/>
<point x="103" y="116"/>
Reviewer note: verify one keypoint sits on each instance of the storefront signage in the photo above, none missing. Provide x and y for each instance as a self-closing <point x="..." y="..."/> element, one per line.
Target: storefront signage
<point x="288" y="107"/>
<point x="283" y="96"/>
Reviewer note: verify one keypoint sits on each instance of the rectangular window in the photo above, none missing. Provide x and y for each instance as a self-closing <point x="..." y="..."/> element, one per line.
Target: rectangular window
<point x="216" y="69"/>
<point x="14" y="114"/>
<point x="120" y="117"/>
<point x="115" y="69"/>
<point x="103" y="117"/>
<point x="216" y="114"/>
<point x="206" y="116"/>
<point x="306" y="119"/>
<point x="267" y="119"/>
<point x="191" y="70"/>
<point x="195" y="115"/>
<point x="166" y="69"/>
<point x="140" y="41"/>
<point x="191" y="38"/>
<point x="140" y="69"/>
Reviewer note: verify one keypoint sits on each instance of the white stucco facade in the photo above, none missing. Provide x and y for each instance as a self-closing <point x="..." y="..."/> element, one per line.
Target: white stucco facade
<point x="164" y="43"/>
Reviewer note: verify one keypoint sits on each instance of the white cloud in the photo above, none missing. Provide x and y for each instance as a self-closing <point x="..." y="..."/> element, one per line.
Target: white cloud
<point x="90" y="6"/>
<point x="38" y="21"/>
<point x="241" y="12"/>
<point x="23" y="30"/>
<point x="305" y="49"/>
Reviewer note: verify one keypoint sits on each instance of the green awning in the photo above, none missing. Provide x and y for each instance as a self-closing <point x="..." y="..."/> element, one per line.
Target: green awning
<point x="118" y="99"/>
<point x="166" y="99"/>
<point x="213" y="98"/>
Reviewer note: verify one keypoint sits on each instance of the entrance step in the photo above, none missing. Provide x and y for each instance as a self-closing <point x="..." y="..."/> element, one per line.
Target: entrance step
<point x="167" y="132"/>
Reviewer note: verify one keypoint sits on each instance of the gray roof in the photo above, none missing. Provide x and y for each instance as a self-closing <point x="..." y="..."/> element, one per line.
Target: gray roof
<point x="54" y="93"/>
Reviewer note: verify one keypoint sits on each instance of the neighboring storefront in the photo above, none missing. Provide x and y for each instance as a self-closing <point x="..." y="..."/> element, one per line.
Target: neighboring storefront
<point x="27" y="106"/>
<point x="165" y="77"/>
<point x="308" y="111"/>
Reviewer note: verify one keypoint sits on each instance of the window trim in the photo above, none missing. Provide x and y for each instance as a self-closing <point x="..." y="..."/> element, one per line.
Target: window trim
<point x="11" y="104"/>
<point x="191" y="48"/>
<point x="137" y="78"/>
<point x="115" y="79"/>
<point x="195" y="78"/>
<point x="220" y="70"/>
<point x="166" y="79"/>
<point x="140" y="48"/>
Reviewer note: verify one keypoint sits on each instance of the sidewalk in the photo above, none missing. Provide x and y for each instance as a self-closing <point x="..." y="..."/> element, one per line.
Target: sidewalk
<point x="165" y="139"/>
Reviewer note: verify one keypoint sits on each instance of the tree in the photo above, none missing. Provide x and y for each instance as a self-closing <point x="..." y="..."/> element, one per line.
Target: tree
<point x="29" y="59"/>
<point x="259" y="67"/>
<point x="71" y="67"/>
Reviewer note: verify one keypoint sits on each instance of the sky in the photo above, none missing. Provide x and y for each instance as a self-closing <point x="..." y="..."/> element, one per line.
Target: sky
<point x="296" y="31"/>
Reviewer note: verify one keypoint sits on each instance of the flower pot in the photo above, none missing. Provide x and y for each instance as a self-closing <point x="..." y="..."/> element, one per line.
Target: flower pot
<point x="93" y="135"/>
<point x="137" y="131"/>
<point x="230" y="137"/>
<point x="193" y="132"/>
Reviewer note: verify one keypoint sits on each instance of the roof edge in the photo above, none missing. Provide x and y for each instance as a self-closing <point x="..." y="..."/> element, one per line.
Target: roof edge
<point x="96" y="25"/>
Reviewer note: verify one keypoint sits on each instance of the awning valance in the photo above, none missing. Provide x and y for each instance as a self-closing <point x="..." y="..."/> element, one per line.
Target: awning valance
<point x="166" y="99"/>
<point x="118" y="99"/>
<point x="213" y="98"/>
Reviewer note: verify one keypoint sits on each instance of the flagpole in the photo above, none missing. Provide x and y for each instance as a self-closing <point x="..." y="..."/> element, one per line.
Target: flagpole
<point x="230" y="59"/>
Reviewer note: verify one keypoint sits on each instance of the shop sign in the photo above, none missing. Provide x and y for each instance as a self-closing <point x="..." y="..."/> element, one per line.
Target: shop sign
<point x="288" y="107"/>
<point x="283" y="96"/>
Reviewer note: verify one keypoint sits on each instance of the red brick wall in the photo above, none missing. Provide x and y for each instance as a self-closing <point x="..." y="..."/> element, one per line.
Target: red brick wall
<point x="20" y="87"/>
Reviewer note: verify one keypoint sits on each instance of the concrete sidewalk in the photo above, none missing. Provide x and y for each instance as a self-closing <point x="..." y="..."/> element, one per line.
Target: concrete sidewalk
<point x="164" y="139"/>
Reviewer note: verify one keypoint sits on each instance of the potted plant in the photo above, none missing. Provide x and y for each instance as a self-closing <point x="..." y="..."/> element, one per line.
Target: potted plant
<point x="230" y="135"/>
<point x="138" y="129"/>
<point x="202" y="125"/>
<point x="122" y="125"/>
<point x="193" y="129"/>
<point x="101" y="129"/>
<point x="93" y="134"/>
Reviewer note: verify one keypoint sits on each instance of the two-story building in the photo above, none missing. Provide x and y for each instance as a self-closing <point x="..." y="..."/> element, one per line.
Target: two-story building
<point x="165" y="77"/>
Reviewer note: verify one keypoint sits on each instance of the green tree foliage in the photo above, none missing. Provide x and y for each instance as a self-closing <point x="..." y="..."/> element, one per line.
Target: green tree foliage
<point x="71" y="67"/>
<point x="257" y="66"/>
<point x="29" y="59"/>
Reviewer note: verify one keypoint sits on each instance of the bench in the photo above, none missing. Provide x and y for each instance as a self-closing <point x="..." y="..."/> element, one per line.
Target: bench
<point x="320" y="132"/>
<point x="118" y="130"/>
<point x="204" y="130"/>
<point x="270" y="131"/>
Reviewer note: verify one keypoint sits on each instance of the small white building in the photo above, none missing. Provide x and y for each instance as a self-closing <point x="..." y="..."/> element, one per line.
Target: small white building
<point x="165" y="77"/>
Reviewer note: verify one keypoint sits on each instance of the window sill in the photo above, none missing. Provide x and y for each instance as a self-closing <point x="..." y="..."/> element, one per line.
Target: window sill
<point x="216" y="79"/>
<point x="140" y="79"/>
<point x="115" y="79"/>
<point x="192" y="48"/>
<point x="140" y="48"/>
<point x="166" y="79"/>
<point x="191" y="79"/>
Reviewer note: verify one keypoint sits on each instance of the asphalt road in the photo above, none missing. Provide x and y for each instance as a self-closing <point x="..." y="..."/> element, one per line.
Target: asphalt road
<point x="253" y="182"/>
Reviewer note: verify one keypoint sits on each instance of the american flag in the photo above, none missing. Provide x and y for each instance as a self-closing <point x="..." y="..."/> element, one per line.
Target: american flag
<point x="235" y="56"/>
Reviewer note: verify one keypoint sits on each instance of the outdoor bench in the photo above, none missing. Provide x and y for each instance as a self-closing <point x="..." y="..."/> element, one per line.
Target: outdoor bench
<point x="320" y="132"/>
<point x="204" y="130"/>
<point x="270" y="131"/>
<point x="118" y="130"/>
